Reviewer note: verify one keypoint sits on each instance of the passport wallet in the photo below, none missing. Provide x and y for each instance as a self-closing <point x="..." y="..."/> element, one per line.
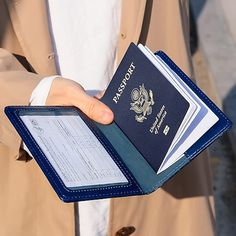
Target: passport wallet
<point x="162" y="122"/>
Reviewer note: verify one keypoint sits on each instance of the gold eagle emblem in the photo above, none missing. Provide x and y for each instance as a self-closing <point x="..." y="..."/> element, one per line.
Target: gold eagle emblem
<point x="142" y="103"/>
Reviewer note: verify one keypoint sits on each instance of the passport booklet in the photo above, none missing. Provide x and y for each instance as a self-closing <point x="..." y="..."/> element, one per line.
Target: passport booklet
<point x="162" y="121"/>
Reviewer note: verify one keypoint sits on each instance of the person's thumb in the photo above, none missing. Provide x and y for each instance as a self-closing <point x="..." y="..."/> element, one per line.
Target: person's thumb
<point x="94" y="109"/>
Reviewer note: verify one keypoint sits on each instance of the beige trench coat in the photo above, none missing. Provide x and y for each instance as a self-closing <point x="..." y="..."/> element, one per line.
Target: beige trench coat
<point x="28" y="205"/>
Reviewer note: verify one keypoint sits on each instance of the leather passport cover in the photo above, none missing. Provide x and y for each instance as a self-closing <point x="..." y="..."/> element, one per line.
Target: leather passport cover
<point x="129" y="139"/>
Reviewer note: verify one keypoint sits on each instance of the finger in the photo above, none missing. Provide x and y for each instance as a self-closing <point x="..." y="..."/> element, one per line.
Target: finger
<point x="93" y="108"/>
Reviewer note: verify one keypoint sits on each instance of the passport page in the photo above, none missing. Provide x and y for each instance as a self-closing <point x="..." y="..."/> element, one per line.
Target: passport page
<point x="204" y="119"/>
<point x="199" y="122"/>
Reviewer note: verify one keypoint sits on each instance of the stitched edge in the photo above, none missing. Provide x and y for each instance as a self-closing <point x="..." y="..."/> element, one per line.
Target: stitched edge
<point x="207" y="101"/>
<point x="131" y="180"/>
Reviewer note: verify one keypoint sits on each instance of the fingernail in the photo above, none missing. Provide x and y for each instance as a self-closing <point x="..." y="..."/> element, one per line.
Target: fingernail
<point x="106" y="116"/>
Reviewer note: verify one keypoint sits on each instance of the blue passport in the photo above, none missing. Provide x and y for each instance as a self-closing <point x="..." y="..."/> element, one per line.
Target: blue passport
<point x="145" y="104"/>
<point x="162" y="122"/>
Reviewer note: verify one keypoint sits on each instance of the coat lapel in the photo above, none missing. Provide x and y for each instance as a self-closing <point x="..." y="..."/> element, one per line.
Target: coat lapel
<point x="132" y="14"/>
<point x="30" y="22"/>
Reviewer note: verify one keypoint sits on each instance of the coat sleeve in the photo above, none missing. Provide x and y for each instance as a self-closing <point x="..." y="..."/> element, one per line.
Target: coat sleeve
<point x="16" y="86"/>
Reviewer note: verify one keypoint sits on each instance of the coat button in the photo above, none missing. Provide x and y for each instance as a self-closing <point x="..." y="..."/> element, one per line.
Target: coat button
<point x="51" y="56"/>
<point x="125" y="231"/>
<point x="123" y="35"/>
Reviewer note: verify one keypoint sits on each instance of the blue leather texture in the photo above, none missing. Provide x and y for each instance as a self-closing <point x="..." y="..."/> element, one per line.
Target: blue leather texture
<point x="218" y="129"/>
<point x="64" y="193"/>
<point x="144" y="174"/>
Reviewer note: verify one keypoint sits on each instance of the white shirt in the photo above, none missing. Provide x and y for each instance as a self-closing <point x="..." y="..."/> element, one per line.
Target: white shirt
<point x="84" y="35"/>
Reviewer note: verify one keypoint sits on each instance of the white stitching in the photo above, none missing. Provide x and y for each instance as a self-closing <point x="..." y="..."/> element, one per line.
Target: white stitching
<point x="79" y="190"/>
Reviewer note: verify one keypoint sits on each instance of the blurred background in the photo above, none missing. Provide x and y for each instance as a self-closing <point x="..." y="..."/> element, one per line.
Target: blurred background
<point x="213" y="48"/>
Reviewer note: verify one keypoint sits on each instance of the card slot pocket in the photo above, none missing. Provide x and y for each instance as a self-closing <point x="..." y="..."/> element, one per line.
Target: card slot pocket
<point x="147" y="178"/>
<point x="132" y="158"/>
<point x="65" y="193"/>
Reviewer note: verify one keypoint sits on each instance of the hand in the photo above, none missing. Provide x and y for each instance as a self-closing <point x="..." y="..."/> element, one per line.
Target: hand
<point x="69" y="93"/>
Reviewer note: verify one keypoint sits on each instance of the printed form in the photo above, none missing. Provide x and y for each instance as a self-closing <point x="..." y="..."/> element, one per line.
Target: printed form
<point x="74" y="151"/>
